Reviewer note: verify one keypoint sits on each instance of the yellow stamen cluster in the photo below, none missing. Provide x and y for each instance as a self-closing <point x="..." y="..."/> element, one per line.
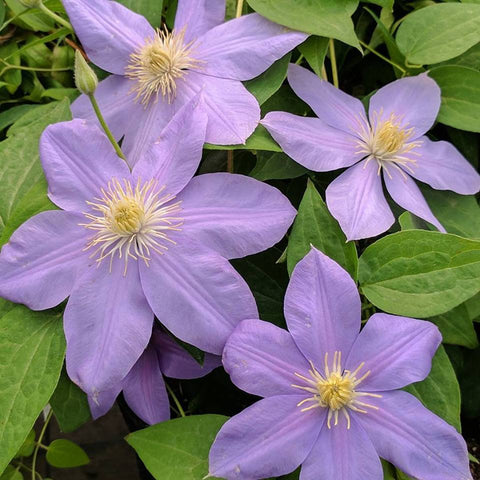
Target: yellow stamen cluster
<point x="159" y="64"/>
<point x="387" y="142"/>
<point x="335" y="389"/>
<point x="131" y="222"/>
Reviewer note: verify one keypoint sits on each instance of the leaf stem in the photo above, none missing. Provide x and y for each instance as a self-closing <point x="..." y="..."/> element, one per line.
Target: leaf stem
<point x="9" y="66"/>
<point x="383" y="57"/>
<point x="333" y="61"/>
<point x="104" y="125"/>
<point x="175" y="399"/>
<point x="55" y="17"/>
<point x="239" y="8"/>
<point x="39" y="441"/>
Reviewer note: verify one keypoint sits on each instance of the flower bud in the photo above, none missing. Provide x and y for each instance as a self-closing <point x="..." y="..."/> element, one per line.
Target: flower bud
<point x="85" y="78"/>
<point x="31" y="3"/>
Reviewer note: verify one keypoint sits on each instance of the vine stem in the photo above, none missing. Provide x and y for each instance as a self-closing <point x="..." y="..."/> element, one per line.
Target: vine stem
<point x="55" y="17"/>
<point x="369" y="48"/>
<point x="333" y="61"/>
<point x="9" y="66"/>
<point x="39" y="442"/>
<point x="104" y="125"/>
<point x="175" y="399"/>
<point x="239" y="8"/>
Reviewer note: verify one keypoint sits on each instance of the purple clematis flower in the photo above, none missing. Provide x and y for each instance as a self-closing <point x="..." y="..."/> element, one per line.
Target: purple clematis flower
<point x="131" y="244"/>
<point x="392" y="139"/>
<point x="156" y="71"/>
<point x="331" y="399"/>
<point x="144" y="387"/>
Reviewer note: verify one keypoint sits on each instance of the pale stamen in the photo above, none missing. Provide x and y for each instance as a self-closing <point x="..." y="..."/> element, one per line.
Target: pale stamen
<point x="159" y="64"/>
<point x="335" y="389"/>
<point x="131" y="223"/>
<point x="388" y="142"/>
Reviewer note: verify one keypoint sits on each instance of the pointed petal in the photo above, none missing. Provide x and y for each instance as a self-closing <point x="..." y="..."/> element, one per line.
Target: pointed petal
<point x="108" y="324"/>
<point x="76" y="170"/>
<point x="144" y="389"/>
<point x="198" y="16"/>
<point x="244" y="47"/>
<point x="262" y="359"/>
<point x="413" y="100"/>
<point x="342" y="454"/>
<point x="197" y="294"/>
<point x="396" y="350"/>
<point x="331" y="105"/>
<point x="109" y="32"/>
<point x="234" y="215"/>
<point x="311" y="142"/>
<point x="176" y="362"/>
<point x="116" y="102"/>
<point x="405" y="193"/>
<point x="174" y="155"/>
<point x="270" y="438"/>
<point x="103" y="402"/>
<point x="415" y="440"/>
<point x="356" y="200"/>
<point x="443" y="167"/>
<point x="322" y="308"/>
<point x="43" y="259"/>
<point x="233" y="112"/>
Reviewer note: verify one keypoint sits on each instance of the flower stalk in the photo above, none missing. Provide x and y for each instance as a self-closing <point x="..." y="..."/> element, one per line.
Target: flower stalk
<point x="333" y="61"/>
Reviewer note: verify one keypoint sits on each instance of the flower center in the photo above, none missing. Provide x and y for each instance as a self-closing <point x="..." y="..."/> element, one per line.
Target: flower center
<point x="335" y="389"/>
<point x="159" y="64"/>
<point x="388" y="142"/>
<point x="131" y="222"/>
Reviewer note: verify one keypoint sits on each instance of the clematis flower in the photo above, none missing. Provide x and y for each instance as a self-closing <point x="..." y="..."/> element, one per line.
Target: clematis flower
<point x="331" y="399"/>
<point x="144" y="387"/>
<point x="155" y="72"/>
<point x="129" y="245"/>
<point x="392" y="140"/>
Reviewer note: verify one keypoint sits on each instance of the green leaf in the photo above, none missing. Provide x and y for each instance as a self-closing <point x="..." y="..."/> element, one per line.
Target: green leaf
<point x="34" y="20"/>
<point x="150" y="9"/>
<point x="470" y="58"/>
<point x="13" y="114"/>
<point x="460" y="87"/>
<point x="20" y="167"/>
<point x="28" y="445"/>
<point x="276" y="166"/>
<point x="12" y="77"/>
<point x="260" y="139"/>
<point x="69" y="404"/>
<point x="382" y="3"/>
<point x="315" y="226"/>
<point x="326" y="18"/>
<point x="2" y="12"/>
<point x="64" y="453"/>
<point x="11" y="473"/>
<point x="177" y="449"/>
<point x="440" y="392"/>
<point x="420" y="274"/>
<point x="456" y="327"/>
<point x="266" y="84"/>
<point x="439" y="32"/>
<point x="473" y="307"/>
<point x="32" y="348"/>
<point x="314" y="50"/>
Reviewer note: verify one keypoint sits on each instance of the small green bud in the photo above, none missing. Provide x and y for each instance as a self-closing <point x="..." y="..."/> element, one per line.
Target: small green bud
<point x="31" y="3"/>
<point x="85" y="79"/>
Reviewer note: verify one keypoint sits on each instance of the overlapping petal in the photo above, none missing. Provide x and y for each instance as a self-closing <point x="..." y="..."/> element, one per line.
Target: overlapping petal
<point x="443" y="167"/>
<point x="109" y="32"/>
<point x="197" y="295"/>
<point x="396" y="350"/>
<point x="144" y="389"/>
<point x="108" y="324"/>
<point x="414" y="101"/>
<point x="174" y="156"/>
<point x="356" y="200"/>
<point x="311" y="142"/>
<point x="406" y="193"/>
<point x="262" y="359"/>
<point x="342" y="454"/>
<point x="42" y="260"/>
<point x="268" y="439"/>
<point x="234" y="215"/>
<point x="411" y="437"/>
<point x="244" y="47"/>
<point x="101" y="403"/>
<point x="322" y="307"/>
<point x="198" y="16"/>
<point x="78" y="160"/>
<point x="331" y="105"/>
